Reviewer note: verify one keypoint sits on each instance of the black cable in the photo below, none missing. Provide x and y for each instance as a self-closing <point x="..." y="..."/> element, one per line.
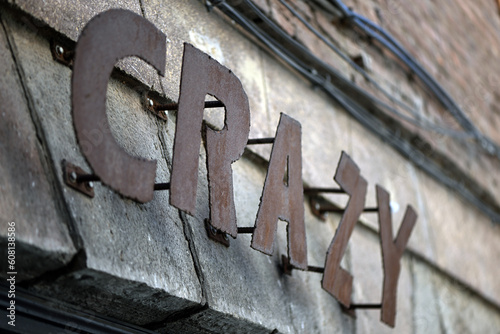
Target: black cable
<point x="422" y="123"/>
<point x="383" y="37"/>
<point x="314" y="64"/>
<point x="356" y="107"/>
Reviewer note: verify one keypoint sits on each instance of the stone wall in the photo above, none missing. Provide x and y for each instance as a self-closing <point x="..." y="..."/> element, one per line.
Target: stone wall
<point x="153" y="265"/>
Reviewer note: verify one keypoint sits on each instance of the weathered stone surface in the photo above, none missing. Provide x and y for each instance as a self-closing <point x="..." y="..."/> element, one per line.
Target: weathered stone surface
<point x="28" y="196"/>
<point x="70" y="17"/>
<point x="466" y="243"/>
<point x="462" y="312"/>
<point x="113" y="296"/>
<point x="367" y="268"/>
<point x="443" y="306"/>
<point x="132" y="242"/>
<point x="427" y="316"/>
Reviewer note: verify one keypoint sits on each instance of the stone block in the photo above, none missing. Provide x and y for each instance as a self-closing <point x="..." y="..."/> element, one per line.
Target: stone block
<point x="28" y="195"/>
<point x="464" y="311"/>
<point x="465" y="240"/>
<point x="141" y="243"/>
<point x="367" y="269"/>
<point x="427" y="316"/>
<point x="444" y="306"/>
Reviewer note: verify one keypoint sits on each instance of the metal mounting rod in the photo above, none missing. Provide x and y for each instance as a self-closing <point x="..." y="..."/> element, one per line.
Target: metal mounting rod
<point x="314" y="191"/>
<point x="287" y="267"/>
<point x="175" y="106"/>
<point x="76" y="177"/>
<point x="81" y="178"/>
<point x="316" y="269"/>
<point x="87" y="178"/>
<point x="162" y="186"/>
<point x="365" y="306"/>
<point x="334" y="209"/>
<point x="246" y="230"/>
<point x="260" y="141"/>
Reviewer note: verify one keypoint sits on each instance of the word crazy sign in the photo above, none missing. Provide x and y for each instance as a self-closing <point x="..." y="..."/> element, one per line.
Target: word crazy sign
<point x="127" y="34"/>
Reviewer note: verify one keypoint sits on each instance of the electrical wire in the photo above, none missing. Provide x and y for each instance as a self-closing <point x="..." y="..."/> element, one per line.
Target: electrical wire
<point x="314" y="64"/>
<point x="379" y="34"/>
<point x="354" y="100"/>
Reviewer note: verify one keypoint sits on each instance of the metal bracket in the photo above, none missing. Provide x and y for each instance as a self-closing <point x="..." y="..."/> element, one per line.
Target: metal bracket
<point x="216" y="235"/>
<point x="155" y="108"/>
<point x="62" y="54"/>
<point x="315" y="204"/>
<point x="70" y="175"/>
<point x="348" y="311"/>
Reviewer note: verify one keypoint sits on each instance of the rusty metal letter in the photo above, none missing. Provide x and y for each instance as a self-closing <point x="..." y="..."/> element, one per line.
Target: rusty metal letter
<point x="392" y="252"/>
<point x="336" y="280"/>
<point x="202" y="75"/>
<point x="283" y="197"/>
<point x="108" y="37"/>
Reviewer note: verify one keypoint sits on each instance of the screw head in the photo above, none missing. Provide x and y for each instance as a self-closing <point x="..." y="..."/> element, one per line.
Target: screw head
<point x="317" y="206"/>
<point x="150" y="102"/>
<point x="59" y="50"/>
<point x="225" y="236"/>
<point x="90" y="185"/>
<point x="72" y="176"/>
<point x="213" y="230"/>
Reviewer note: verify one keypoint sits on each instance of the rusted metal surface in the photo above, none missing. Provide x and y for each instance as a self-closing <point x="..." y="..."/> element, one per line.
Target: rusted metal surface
<point x="392" y="251"/>
<point x="108" y="37"/>
<point x="72" y="177"/>
<point x="282" y="196"/>
<point x="215" y="234"/>
<point x="201" y="75"/>
<point x="336" y="280"/>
